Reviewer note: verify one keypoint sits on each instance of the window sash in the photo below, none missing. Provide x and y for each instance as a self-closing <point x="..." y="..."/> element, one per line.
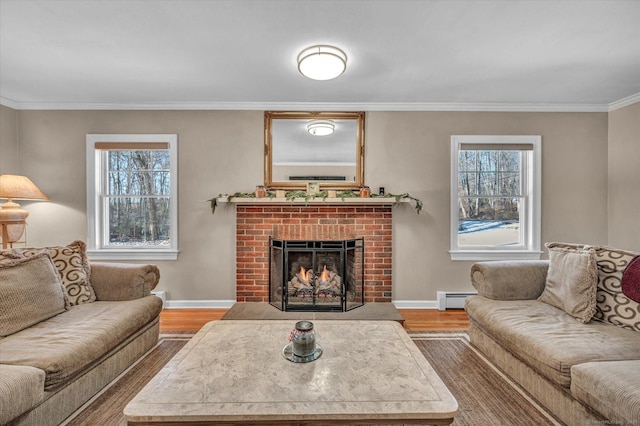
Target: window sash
<point x="133" y="176"/>
<point x="528" y="196"/>
<point x="106" y="195"/>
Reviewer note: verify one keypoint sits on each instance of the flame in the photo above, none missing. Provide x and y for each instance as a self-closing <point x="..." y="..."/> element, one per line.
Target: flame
<point x="324" y="276"/>
<point x="304" y="274"/>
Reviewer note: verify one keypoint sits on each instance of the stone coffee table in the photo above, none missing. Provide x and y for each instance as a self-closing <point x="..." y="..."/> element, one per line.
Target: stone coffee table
<point x="234" y="372"/>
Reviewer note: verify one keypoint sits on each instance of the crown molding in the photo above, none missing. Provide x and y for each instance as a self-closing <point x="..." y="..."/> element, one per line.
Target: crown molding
<point x="9" y="103"/>
<point x="312" y="106"/>
<point x="328" y="106"/>
<point x="621" y="103"/>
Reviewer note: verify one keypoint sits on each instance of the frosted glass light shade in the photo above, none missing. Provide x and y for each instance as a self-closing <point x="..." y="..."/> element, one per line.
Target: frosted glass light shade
<point x="322" y="62"/>
<point x="321" y="127"/>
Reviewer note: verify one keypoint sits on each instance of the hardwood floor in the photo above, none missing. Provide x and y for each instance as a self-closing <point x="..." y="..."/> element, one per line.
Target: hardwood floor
<point x="172" y="320"/>
<point x="187" y="319"/>
<point x="435" y="320"/>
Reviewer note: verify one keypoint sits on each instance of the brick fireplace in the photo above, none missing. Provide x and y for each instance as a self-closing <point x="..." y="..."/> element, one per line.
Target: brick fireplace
<point x="255" y="223"/>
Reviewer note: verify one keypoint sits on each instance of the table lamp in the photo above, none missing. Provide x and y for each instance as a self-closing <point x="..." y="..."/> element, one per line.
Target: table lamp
<point x="12" y="217"/>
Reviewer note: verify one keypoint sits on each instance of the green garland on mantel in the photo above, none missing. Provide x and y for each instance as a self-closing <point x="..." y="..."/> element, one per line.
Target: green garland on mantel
<point x="293" y="195"/>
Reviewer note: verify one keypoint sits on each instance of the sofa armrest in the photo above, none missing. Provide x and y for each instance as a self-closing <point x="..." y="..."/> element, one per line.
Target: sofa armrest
<point x="123" y="281"/>
<point x="510" y="280"/>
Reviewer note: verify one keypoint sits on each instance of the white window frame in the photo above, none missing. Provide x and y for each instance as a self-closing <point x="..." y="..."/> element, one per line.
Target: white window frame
<point x="532" y="186"/>
<point x="96" y="214"/>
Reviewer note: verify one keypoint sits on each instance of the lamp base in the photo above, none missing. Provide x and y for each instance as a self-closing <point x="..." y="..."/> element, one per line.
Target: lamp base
<point x="12" y="221"/>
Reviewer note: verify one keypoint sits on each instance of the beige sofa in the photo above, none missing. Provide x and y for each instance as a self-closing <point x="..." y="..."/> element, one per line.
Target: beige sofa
<point x="584" y="370"/>
<point x="79" y="325"/>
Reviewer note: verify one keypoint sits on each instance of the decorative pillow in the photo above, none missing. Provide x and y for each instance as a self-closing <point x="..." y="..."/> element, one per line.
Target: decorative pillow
<point x="571" y="282"/>
<point x="631" y="280"/>
<point x="30" y="292"/>
<point x="8" y="256"/>
<point x="72" y="263"/>
<point x="612" y="305"/>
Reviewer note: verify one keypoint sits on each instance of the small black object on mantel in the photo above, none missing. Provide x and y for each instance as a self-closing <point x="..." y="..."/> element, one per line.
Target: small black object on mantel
<point x="381" y="190"/>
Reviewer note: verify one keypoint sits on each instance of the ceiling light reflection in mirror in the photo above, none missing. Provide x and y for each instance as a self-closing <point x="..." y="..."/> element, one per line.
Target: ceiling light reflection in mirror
<point x="321" y="127"/>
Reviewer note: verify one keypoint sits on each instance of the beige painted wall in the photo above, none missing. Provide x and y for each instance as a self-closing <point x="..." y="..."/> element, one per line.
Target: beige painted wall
<point x="221" y="151"/>
<point x="624" y="177"/>
<point x="8" y="141"/>
<point x="409" y="151"/>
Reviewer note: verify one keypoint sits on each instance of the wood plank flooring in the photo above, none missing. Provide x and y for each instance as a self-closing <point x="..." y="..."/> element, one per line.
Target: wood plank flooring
<point x="192" y="320"/>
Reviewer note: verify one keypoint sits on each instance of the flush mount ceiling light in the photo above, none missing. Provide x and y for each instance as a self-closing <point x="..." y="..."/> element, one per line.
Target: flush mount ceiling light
<point x="322" y="62"/>
<point x="321" y="127"/>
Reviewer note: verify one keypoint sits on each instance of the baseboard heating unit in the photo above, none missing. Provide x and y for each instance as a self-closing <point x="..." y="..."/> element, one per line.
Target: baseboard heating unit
<point x="452" y="299"/>
<point x="162" y="295"/>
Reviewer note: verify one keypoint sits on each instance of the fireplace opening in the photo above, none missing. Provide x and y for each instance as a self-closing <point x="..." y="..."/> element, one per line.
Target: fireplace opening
<point x="316" y="275"/>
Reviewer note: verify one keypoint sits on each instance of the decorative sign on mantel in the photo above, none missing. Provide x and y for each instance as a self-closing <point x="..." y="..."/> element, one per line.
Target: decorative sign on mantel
<point x="303" y="198"/>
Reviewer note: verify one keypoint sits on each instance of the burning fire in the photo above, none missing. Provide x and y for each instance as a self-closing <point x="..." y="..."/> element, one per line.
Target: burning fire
<point x="304" y="275"/>
<point x="324" y="276"/>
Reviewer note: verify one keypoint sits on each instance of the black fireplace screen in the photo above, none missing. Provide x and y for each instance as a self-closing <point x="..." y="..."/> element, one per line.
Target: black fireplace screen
<point x="316" y="275"/>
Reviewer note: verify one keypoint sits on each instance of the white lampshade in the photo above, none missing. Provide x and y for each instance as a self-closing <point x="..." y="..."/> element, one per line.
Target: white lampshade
<point x="322" y="62"/>
<point x="14" y="187"/>
<point x="321" y="127"/>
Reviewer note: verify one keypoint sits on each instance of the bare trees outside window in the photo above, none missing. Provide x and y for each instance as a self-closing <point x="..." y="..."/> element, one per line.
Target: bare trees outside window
<point x="490" y="195"/>
<point x="138" y="193"/>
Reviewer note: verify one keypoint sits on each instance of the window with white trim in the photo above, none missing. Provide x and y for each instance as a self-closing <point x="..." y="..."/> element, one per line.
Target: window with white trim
<point x="495" y="197"/>
<point x="132" y="193"/>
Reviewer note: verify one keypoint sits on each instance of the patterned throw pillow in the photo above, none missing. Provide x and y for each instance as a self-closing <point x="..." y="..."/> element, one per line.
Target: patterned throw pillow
<point x="8" y="256"/>
<point x="612" y="305"/>
<point x="30" y="292"/>
<point x="72" y="264"/>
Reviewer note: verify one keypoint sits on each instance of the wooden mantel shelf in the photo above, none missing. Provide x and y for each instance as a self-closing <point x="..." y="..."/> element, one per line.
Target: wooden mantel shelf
<point x="377" y="201"/>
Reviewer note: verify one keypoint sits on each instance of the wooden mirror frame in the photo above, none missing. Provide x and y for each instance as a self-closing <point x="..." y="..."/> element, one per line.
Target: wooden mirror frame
<point x="269" y="116"/>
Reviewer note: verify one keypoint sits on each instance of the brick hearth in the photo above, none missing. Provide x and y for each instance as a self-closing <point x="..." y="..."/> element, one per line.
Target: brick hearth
<point x="256" y="223"/>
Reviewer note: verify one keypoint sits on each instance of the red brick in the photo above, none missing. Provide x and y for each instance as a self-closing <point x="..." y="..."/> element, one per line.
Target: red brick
<point x="256" y="223"/>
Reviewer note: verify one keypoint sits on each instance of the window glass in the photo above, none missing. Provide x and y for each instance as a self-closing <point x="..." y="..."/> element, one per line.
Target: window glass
<point x="138" y="193"/>
<point x="489" y="192"/>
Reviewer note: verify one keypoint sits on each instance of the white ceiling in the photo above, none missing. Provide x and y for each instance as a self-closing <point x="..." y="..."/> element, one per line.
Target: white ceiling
<point x="241" y="54"/>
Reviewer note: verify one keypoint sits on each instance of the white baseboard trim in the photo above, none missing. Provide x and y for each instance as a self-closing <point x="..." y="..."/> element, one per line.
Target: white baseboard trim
<point x="416" y="304"/>
<point x="203" y="304"/>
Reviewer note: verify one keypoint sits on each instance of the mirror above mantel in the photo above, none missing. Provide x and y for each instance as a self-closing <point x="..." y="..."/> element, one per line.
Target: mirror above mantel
<point x="295" y="156"/>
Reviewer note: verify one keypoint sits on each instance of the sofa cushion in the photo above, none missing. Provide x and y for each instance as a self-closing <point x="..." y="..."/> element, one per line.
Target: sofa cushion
<point x="21" y="389"/>
<point x="549" y="340"/>
<point x="73" y="265"/>
<point x="611" y="388"/>
<point x="571" y="282"/>
<point x="612" y="305"/>
<point x="30" y="292"/>
<point x="66" y="345"/>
